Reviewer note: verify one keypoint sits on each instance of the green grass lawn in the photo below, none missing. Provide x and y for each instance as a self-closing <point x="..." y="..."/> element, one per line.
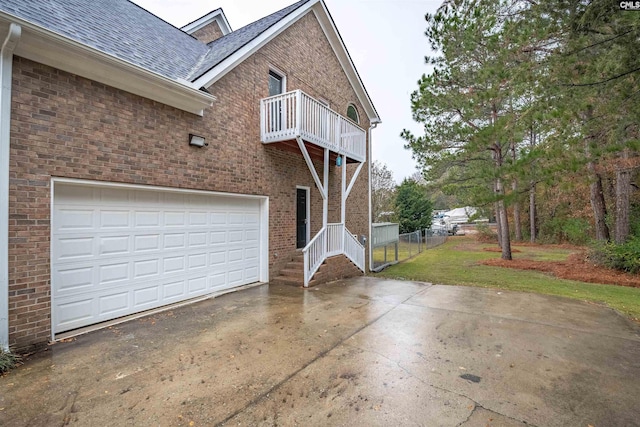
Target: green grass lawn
<point x="455" y="263"/>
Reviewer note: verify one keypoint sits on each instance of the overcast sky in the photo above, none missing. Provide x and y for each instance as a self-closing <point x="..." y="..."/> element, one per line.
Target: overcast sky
<point x="385" y="39"/>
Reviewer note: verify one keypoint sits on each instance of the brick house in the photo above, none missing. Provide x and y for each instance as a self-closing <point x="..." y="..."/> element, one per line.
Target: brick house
<point x="144" y="165"/>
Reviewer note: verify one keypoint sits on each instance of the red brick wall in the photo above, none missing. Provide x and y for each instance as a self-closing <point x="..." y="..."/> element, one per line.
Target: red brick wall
<point x="208" y="33"/>
<point x="63" y="125"/>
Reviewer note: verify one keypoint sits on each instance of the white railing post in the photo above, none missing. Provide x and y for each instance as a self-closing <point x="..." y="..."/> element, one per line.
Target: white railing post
<point x="298" y="126"/>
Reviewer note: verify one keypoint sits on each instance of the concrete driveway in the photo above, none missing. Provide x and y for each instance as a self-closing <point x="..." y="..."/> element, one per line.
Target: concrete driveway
<point x="358" y="352"/>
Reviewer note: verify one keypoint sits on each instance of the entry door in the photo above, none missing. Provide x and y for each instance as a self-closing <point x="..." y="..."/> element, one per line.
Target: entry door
<point x="301" y="217"/>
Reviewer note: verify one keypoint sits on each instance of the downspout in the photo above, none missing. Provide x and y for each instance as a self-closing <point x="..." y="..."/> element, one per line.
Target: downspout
<point x="374" y="124"/>
<point x="6" y="74"/>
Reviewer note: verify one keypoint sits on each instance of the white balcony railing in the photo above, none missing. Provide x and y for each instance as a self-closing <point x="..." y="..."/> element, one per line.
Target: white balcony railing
<point x="332" y="240"/>
<point x="296" y="114"/>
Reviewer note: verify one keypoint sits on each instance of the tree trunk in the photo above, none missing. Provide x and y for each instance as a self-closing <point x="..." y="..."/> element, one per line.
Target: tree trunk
<point x="596" y="193"/>
<point x="532" y="212"/>
<point x="517" y="224"/>
<point x="533" y="136"/>
<point x="598" y="204"/>
<point x="498" y="221"/>
<point x="503" y="224"/>
<point x="623" y="190"/>
<point x="516" y="205"/>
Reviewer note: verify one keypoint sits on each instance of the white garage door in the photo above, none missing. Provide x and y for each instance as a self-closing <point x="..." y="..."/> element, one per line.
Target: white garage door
<point x="118" y="251"/>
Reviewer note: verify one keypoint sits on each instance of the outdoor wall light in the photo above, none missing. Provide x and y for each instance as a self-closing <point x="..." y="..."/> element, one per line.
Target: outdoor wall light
<point x="197" y="141"/>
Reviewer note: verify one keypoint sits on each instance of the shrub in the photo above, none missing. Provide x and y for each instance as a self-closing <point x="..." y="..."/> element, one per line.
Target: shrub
<point x="486" y="234"/>
<point x="576" y="231"/>
<point x="8" y="361"/>
<point x="624" y="257"/>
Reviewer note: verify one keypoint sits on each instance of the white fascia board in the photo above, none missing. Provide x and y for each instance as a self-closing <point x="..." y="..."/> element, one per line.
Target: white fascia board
<point x="217" y="72"/>
<point x="217" y="15"/>
<point x="331" y="32"/>
<point x="48" y="48"/>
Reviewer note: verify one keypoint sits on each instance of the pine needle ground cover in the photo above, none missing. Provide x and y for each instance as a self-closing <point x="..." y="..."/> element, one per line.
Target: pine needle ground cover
<point x="463" y="261"/>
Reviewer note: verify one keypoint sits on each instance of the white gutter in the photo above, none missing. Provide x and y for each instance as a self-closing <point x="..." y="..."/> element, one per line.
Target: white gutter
<point x="6" y="74"/>
<point x="374" y="124"/>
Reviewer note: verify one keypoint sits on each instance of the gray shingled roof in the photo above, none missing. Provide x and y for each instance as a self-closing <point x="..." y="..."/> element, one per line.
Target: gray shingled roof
<point x="124" y="30"/>
<point x="116" y="27"/>
<point x="225" y="46"/>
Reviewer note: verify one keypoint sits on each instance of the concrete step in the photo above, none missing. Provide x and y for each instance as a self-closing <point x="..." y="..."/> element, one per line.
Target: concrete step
<point x="288" y="280"/>
<point x="293" y="265"/>
<point x="292" y="272"/>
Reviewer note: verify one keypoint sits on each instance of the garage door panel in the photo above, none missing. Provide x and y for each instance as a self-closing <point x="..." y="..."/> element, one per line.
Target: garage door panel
<point x="218" y="218"/>
<point x="146" y="219"/>
<point x="76" y="312"/>
<point x="74" y="279"/>
<point x="115" y="245"/>
<point x="146" y="242"/>
<point x="198" y="285"/>
<point x="119" y="251"/>
<point x="173" y="290"/>
<point x="174" y="219"/>
<point x="73" y="248"/>
<point x="235" y="276"/>
<point x="110" y="219"/>
<point x="174" y="241"/>
<point x="113" y="304"/>
<point x="175" y="264"/>
<point x="146" y="268"/>
<point x="195" y="261"/>
<point x="251" y="273"/>
<point x="149" y="295"/>
<point x="198" y="239"/>
<point x="76" y="219"/>
<point x="198" y="219"/>
<point x="113" y="273"/>
<point x="217" y="281"/>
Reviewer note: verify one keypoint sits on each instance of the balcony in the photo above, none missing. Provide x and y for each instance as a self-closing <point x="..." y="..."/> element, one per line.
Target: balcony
<point x="291" y="115"/>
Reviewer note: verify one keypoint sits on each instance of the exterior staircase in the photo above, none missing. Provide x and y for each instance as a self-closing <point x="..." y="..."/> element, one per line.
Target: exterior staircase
<point x="333" y="268"/>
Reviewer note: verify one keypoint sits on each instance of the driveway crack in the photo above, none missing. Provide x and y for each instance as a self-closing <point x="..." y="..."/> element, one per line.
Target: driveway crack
<point x="320" y="355"/>
<point x="456" y="393"/>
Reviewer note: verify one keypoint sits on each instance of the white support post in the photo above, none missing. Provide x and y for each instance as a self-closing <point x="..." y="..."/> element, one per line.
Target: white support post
<point x="298" y="126"/>
<point x="325" y="201"/>
<point x="353" y="180"/>
<point x="343" y="192"/>
<point x="312" y="169"/>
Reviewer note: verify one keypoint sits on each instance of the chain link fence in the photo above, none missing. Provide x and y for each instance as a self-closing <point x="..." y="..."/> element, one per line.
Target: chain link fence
<point x="409" y="245"/>
<point x="391" y="251"/>
<point x="433" y="238"/>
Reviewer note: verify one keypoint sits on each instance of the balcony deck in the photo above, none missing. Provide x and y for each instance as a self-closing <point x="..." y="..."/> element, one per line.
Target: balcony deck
<point x="294" y="114"/>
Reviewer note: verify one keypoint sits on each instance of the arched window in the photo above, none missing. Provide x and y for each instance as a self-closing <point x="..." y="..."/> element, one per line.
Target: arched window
<point x="352" y="113"/>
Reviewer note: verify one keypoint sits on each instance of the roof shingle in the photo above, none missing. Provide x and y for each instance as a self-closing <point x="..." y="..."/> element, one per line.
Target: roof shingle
<point x="224" y="47"/>
<point x="124" y="30"/>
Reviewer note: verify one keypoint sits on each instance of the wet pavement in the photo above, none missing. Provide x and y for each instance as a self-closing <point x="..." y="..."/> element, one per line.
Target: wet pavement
<point x="359" y="352"/>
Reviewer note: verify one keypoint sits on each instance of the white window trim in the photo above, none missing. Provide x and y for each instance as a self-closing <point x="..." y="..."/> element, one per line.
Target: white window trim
<point x="280" y="74"/>
<point x="356" y="110"/>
